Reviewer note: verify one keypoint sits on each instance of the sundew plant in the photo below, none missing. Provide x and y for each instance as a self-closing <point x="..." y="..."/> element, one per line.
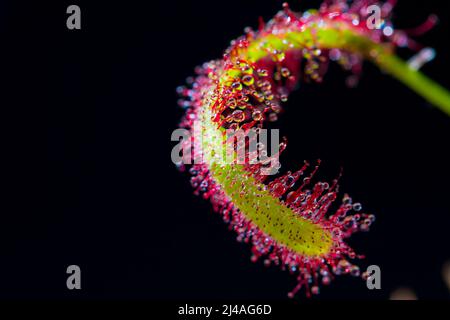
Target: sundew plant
<point x="291" y="220"/>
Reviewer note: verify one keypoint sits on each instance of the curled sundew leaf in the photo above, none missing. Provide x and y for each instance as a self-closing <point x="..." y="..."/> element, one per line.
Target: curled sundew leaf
<point x="289" y="221"/>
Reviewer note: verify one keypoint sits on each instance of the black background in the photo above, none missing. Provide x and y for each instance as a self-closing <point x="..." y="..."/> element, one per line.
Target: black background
<point x="91" y="181"/>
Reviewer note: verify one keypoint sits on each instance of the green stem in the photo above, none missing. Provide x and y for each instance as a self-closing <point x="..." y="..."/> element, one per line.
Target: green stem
<point x="336" y="35"/>
<point x="417" y="81"/>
